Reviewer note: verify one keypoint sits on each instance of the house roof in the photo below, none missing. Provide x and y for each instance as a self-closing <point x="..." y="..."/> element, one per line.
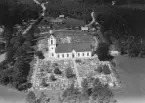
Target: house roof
<point x="69" y="47"/>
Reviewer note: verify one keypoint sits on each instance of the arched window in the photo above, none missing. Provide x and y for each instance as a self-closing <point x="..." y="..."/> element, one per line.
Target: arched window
<point x="87" y="54"/>
<point x="63" y="55"/>
<point x="78" y="54"/>
<point x="83" y="54"/>
<point x="51" y="41"/>
<point x="67" y="55"/>
<point x="52" y="54"/>
<point x="58" y="55"/>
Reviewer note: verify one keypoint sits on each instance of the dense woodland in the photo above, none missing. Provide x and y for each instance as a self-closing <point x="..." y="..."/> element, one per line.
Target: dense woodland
<point x="123" y="26"/>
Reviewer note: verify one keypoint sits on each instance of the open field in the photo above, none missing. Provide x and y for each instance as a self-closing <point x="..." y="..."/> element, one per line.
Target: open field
<point x="8" y="95"/>
<point x="132" y="74"/>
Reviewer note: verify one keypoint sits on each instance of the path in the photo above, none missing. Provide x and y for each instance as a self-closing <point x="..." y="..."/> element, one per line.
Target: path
<point x="35" y="71"/>
<point x="77" y="73"/>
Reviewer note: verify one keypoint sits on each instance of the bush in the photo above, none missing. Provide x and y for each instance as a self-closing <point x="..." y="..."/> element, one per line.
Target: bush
<point x="103" y="52"/>
<point x="57" y="71"/>
<point x="24" y="86"/>
<point x="106" y="69"/>
<point x="31" y="98"/>
<point x="69" y="73"/>
<point x="99" y="69"/>
<point x="43" y="83"/>
<point x="84" y="83"/>
<point x="52" y="78"/>
<point x="40" y="54"/>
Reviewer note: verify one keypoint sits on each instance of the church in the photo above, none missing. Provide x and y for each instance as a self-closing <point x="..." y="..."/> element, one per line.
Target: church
<point x="71" y="48"/>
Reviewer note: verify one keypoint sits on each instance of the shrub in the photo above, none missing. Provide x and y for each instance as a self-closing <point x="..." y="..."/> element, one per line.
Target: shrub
<point x="43" y="83"/>
<point x="52" y="78"/>
<point x="106" y="69"/>
<point x="99" y="69"/>
<point x="69" y="73"/>
<point x="40" y="54"/>
<point x="57" y="71"/>
<point x="31" y="98"/>
<point x="84" y="83"/>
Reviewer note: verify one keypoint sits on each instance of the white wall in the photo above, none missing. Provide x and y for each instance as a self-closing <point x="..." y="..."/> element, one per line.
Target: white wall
<point x="85" y="54"/>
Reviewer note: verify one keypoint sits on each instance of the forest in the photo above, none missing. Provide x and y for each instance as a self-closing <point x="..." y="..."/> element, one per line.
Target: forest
<point x="122" y="26"/>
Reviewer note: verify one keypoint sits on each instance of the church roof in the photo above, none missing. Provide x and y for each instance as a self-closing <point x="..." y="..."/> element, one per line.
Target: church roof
<point x="69" y="47"/>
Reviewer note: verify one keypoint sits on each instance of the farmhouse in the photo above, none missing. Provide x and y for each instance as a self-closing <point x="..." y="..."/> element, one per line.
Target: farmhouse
<point x="70" y="44"/>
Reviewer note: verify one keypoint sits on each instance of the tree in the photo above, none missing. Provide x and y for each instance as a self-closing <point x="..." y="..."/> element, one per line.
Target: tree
<point x="106" y="69"/>
<point x="69" y="73"/>
<point x="103" y="52"/>
<point x="52" y="77"/>
<point x="85" y="88"/>
<point x="70" y="91"/>
<point x="57" y="71"/>
<point x="43" y="98"/>
<point x="101" y="92"/>
<point x="31" y="98"/>
<point x="10" y="54"/>
<point x="40" y="54"/>
<point x="96" y="82"/>
<point x="85" y="83"/>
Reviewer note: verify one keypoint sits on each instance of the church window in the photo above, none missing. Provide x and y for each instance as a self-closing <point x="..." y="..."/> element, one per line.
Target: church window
<point x="87" y="54"/>
<point x="51" y="41"/>
<point x="52" y="54"/>
<point x="58" y="55"/>
<point x="78" y="54"/>
<point x="63" y="55"/>
<point x="67" y="55"/>
<point x="83" y="54"/>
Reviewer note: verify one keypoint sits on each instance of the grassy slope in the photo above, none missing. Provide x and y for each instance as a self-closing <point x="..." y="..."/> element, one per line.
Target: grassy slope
<point x="132" y="74"/>
<point x="11" y="96"/>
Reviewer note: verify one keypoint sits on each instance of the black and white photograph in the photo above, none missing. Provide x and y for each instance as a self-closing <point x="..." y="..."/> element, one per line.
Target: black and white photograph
<point x="72" y="51"/>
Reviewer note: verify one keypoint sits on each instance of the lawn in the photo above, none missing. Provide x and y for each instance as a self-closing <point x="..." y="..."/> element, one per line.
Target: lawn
<point x="8" y="95"/>
<point x="132" y="74"/>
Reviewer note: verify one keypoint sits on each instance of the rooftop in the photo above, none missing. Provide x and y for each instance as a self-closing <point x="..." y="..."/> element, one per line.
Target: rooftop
<point x="69" y="47"/>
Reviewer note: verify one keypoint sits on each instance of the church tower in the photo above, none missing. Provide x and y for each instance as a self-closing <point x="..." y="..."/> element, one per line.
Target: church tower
<point x="51" y="44"/>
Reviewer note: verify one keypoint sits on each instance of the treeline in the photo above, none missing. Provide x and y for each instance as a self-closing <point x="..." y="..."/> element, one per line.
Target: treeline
<point x="14" y="11"/>
<point x="15" y="69"/>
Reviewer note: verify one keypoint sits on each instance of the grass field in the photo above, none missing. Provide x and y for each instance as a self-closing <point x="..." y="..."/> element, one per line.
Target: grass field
<point x="132" y="75"/>
<point x="2" y="57"/>
<point x="8" y="95"/>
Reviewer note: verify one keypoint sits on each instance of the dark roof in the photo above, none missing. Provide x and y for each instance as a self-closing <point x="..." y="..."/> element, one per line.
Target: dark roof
<point x="68" y="47"/>
<point x="74" y="22"/>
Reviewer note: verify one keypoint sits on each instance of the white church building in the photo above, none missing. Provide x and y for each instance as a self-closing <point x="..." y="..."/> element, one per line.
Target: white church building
<point x="68" y="50"/>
